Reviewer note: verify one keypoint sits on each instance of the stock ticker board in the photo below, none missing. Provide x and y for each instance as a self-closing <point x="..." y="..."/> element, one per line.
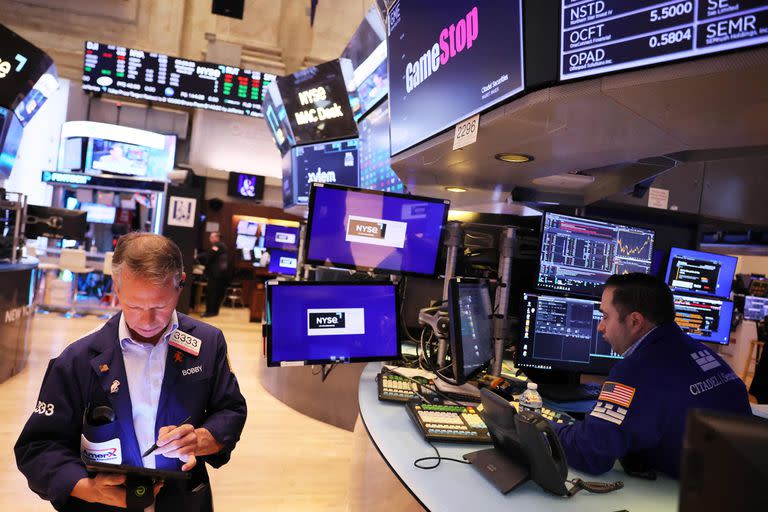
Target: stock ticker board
<point x="152" y="76"/>
<point x="603" y="36"/>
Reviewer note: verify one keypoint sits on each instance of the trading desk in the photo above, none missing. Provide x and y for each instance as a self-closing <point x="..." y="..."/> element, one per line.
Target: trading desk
<point x="459" y="487"/>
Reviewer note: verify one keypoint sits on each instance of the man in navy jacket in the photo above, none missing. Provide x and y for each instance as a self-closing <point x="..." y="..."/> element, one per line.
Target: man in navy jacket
<point x="640" y="414"/>
<point x="153" y="367"/>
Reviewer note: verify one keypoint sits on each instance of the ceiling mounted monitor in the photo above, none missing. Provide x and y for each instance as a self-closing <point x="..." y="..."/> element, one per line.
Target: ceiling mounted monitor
<point x="615" y="35"/>
<point x="316" y="104"/>
<point x="151" y="76"/>
<point x="450" y="60"/>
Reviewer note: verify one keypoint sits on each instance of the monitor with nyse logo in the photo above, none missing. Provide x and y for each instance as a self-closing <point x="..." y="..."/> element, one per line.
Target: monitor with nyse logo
<point x="282" y="262"/>
<point x="375" y="231"/>
<point x="284" y="238"/>
<point x="612" y="35"/>
<point x="328" y="323"/>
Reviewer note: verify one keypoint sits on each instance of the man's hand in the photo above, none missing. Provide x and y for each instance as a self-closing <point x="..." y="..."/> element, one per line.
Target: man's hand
<point x="215" y="248"/>
<point x="186" y="443"/>
<point x="105" y="488"/>
<point x="178" y="442"/>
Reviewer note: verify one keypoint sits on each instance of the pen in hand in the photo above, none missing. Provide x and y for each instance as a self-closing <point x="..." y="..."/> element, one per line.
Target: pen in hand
<point x="154" y="446"/>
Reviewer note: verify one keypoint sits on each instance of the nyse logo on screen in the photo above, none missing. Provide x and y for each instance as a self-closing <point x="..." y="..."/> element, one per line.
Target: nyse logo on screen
<point x="336" y="321"/>
<point x="286" y="262"/>
<point x="366" y="228"/>
<point x="285" y="238"/>
<point x="327" y="320"/>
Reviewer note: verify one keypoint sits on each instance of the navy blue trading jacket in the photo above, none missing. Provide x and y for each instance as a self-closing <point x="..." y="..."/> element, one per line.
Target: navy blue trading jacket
<point x="641" y="411"/>
<point x="202" y="386"/>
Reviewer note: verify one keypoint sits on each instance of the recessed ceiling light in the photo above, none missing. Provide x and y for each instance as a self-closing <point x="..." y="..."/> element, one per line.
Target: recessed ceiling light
<point x="515" y="158"/>
<point x="455" y="189"/>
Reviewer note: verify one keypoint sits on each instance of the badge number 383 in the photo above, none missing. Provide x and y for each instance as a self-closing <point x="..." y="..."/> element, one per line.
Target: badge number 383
<point x="44" y="408"/>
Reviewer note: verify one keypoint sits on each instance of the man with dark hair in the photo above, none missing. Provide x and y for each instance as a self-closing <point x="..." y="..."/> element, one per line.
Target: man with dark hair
<point x="639" y="417"/>
<point x="151" y="368"/>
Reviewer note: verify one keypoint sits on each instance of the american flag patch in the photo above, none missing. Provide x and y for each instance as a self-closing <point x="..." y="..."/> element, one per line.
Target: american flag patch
<point x="617" y="393"/>
<point x="609" y="412"/>
<point x="705" y="360"/>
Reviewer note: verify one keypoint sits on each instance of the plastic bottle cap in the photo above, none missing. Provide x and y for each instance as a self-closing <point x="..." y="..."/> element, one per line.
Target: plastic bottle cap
<point x="533" y="385"/>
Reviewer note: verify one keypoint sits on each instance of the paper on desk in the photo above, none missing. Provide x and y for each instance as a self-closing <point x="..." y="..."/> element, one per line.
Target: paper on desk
<point x="410" y="372"/>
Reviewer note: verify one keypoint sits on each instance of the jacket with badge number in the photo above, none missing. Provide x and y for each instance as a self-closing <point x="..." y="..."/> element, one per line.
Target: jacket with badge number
<point x="640" y="414"/>
<point x="48" y="449"/>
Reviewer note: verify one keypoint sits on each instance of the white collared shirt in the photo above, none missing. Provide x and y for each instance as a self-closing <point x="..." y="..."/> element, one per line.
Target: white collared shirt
<point x="636" y="344"/>
<point x="145" y="369"/>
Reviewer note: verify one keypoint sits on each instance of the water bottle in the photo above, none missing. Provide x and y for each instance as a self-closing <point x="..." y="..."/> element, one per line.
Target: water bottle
<point x="530" y="400"/>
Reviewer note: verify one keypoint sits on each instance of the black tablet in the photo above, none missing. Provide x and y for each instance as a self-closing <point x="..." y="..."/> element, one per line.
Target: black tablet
<point x="157" y="474"/>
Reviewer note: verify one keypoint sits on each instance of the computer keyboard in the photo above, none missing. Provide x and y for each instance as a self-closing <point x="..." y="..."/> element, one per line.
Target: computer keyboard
<point x="394" y="388"/>
<point x="557" y="417"/>
<point x="452" y="423"/>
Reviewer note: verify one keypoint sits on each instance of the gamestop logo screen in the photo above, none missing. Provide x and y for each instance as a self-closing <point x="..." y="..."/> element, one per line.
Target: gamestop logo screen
<point x="374" y="231"/>
<point x="448" y="60"/>
<point x="332" y="323"/>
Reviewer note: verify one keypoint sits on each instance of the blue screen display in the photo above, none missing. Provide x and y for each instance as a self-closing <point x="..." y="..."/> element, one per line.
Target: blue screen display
<point x="449" y="59"/>
<point x="330" y="162"/>
<point x="282" y="262"/>
<point x="375" y="172"/>
<point x="375" y="231"/>
<point x="316" y="323"/>
<point x="281" y="237"/>
<point x="704" y="319"/>
<point x="755" y="308"/>
<point x="701" y="273"/>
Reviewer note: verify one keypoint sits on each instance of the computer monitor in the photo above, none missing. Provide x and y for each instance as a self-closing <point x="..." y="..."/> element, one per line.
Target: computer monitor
<point x="245" y="242"/>
<point x="758" y="287"/>
<point x="470" y="311"/>
<point x="246" y="227"/>
<point x="55" y="223"/>
<point x="578" y="255"/>
<point x="703" y="318"/>
<point x="702" y="273"/>
<point x="724" y="463"/>
<point x="281" y="237"/>
<point x="375" y="171"/>
<point x="99" y="213"/>
<point x="325" y="323"/>
<point x="560" y="333"/>
<point x="375" y="231"/>
<point x="755" y="308"/>
<point x="282" y="262"/>
<point x="245" y="186"/>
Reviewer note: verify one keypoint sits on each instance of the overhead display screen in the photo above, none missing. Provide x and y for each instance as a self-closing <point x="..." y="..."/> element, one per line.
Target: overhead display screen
<point x="112" y="69"/>
<point x="449" y="60"/>
<point x="700" y="272"/>
<point x="317" y="104"/>
<point x="332" y="162"/>
<point x="610" y="35"/>
<point x="375" y="172"/>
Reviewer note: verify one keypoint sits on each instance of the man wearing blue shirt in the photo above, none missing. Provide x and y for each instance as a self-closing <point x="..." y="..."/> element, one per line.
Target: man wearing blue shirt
<point x="152" y="368"/>
<point x="639" y="417"/>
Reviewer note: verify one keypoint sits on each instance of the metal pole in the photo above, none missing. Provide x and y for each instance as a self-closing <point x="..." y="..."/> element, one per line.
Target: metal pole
<point x="453" y="242"/>
<point x="300" y="258"/>
<point x="507" y="242"/>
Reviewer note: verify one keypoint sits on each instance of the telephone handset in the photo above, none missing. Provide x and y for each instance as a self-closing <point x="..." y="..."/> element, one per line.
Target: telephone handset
<point x="544" y="452"/>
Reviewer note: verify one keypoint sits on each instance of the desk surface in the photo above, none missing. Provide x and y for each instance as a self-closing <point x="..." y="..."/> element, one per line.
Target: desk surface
<point x="458" y="487"/>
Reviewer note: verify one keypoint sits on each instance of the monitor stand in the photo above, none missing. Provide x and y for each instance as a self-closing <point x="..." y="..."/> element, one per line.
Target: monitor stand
<point x="499" y="469"/>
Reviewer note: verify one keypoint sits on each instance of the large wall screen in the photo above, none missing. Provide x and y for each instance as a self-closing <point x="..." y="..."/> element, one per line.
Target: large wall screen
<point x="611" y="35"/>
<point x="449" y="60"/>
<point x="151" y="76"/>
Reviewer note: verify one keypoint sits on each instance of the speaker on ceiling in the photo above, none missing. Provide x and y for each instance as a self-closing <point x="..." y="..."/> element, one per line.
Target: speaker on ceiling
<point x="231" y="8"/>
